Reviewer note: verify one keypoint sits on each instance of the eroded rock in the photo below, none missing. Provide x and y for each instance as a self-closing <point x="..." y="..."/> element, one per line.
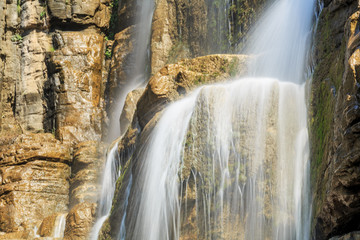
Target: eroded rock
<point x="334" y="127"/>
<point x="175" y="80"/>
<point x="86" y="171"/>
<point x="34" y="174"/>
<point x="76" y="79"/>
<point x="79" y="221"/>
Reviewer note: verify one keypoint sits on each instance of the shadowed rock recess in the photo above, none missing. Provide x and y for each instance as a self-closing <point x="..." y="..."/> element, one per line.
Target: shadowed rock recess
<point x="64" y="62"/>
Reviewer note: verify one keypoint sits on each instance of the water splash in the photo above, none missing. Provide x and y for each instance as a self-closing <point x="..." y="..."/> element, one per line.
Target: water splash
<point x="110" y="175"/>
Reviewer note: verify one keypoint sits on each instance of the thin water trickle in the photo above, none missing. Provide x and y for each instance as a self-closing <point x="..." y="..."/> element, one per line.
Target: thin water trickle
<point x="110" y="175"/>
<point x="59" y="227"/>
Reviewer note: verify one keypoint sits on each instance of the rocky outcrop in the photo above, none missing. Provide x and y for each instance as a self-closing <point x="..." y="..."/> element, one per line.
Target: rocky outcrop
<point x="129" y="108"/>
<point x="170" y="84"/>
<point x="79" y="221"/>
<point x="335" y="122"/>
<point x="175" y="80"/>
<point x="75" y="84"/>
<point x="189" y="29"/>
<point x="87" y="164"/>
<point x="34" y="175"/>
<point x="52" y="82"/>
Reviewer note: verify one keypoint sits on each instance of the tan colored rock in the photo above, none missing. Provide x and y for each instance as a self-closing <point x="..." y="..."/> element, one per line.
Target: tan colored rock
<point x="30" y="90"/>
<point x="33" y="15"/>
<point x="34" y="174"/>
<point x="129" y="108"/>
<point x="164" y="33"/>
<point x="175" y="80"/>
<point x="121" y="66"/>
<point x="9" y="69"/>
<point x="77" y="78"/>
<point x="46" y="228"/>
<point x="79" y="221"/>
<point x="94" y="12"/>
<point x="11" y="14"/>
<point x="86" y="172"/>
<point x="14" y="235"/>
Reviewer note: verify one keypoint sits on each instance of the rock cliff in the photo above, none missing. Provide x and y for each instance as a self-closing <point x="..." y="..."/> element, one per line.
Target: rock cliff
<point x="64" y="62"/>
<point x="334" y="121"/>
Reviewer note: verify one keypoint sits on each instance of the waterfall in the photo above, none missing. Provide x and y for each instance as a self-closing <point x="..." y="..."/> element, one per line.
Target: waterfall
<point x="139" y="74"/>
<point x="281" y="40"/>
<point x="110" y="175"/>
<point x="59" y="227"/>
<point x="231" y="161"/>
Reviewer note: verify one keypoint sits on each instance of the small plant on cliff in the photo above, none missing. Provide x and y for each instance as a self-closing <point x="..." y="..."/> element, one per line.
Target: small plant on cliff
<point x="16" y="38"/>
<point x="114" y="5"/>
<point x="18" y="7"/>
<point x="43" y="13"/>
<point x="108" y="53"/>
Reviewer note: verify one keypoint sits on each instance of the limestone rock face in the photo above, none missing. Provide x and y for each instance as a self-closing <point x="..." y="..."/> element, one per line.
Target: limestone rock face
<point x="34" y="173"/>
<point x="188" y="29"/>
<point x="87" y="164"/>
<point x="79" y="221"/>
<point x="175" y="80"/>
<point x="51" y="100"/>
<point x="129" y="108"/>
<point x="335" y="122"/>
<point x="76" y="81"/>
<point x="30" y="98"/>
<point x="93" y="12"/>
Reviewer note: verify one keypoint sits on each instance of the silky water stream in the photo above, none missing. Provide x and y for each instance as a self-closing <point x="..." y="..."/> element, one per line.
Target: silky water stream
<point x="231" y="161"/>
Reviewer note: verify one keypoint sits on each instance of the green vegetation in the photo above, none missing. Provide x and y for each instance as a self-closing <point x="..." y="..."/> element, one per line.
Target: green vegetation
<point x="327" y="79"/>
<point x="108" y="53"/>
<point x="114" y="5"/>
<point x="16" y="38"/>
<point x="43" y="13"/>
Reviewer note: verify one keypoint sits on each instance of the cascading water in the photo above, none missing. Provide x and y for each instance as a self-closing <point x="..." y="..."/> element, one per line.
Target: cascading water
<point x="139" y="73"/>
<point x="59" y="227"/>
<point x="110" y="175"/>
<point x="231" y="161"/>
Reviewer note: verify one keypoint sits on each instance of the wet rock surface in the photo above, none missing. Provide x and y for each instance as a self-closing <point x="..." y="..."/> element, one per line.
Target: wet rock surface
<point x="175" y="80"/>
<point x="170" y="84"/>
<point x="334" y="124"/>
<point x="87" y="164"/>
